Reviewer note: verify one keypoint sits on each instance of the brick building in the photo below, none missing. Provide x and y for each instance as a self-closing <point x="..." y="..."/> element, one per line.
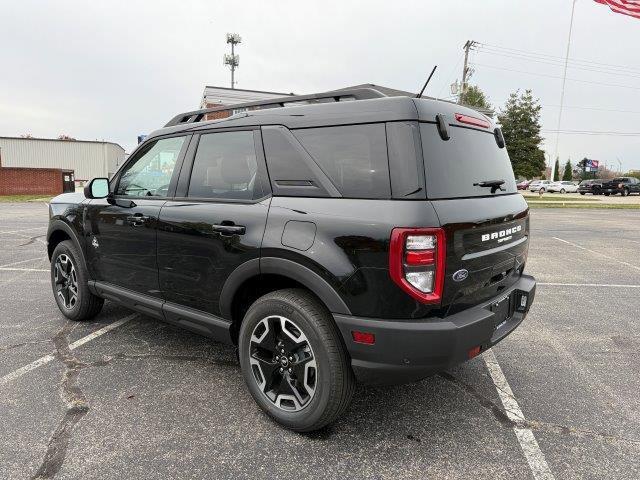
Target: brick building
<point x="222" y="97"/>
<point x="50" y="166"/>
<point x="35" y="181"/>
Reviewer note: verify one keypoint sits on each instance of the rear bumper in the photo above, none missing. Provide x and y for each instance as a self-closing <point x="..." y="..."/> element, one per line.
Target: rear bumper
<point x="611" y="190"/>
<point x="408" y="350"/>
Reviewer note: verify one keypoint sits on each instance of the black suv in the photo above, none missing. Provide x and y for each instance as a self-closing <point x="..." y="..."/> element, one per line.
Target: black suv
<point x="330" y="237"/>
<point x="590" y="186"/>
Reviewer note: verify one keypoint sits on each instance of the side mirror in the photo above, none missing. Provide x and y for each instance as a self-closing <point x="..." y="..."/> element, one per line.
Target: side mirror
<point x="97" y="188"/>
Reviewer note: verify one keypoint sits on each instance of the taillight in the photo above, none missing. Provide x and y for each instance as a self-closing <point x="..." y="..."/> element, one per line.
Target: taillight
<point x="475" y="121"/>
<point x="619" y="185"/>
<point x="417" y="262"/>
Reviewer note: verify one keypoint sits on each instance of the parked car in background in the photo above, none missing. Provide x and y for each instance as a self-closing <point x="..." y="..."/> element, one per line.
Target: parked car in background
<point x="523" y="185"/>
<point x="622" y="185"/>
<point x="539" y="186"/>
<point x="590" y="186"/>
<point x="563" y="187"/>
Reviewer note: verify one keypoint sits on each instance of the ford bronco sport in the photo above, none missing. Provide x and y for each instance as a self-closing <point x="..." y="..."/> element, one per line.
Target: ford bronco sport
<point x="331" y="237"/>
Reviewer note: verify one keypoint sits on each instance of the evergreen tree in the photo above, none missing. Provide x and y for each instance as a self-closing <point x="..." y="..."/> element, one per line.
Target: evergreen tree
<point x="568" y="171"/>
<point x="556" y="172"/>
<point x="520" y="122"/>
<point x="474" y="97"/>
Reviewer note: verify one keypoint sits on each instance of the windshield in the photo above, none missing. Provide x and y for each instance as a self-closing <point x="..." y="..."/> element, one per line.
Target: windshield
<point x="455" y="168"/>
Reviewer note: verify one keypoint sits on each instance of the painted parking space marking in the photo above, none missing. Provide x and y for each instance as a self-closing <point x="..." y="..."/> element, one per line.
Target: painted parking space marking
<point x="597" y="253"/>
<point x="25" y="230"/>
<point x="606" y="285"/>
<point x="526" y="439"/>
<point x="22" y="261"/>
<point x="9" y="269"/>
<point x="72" y="346"/>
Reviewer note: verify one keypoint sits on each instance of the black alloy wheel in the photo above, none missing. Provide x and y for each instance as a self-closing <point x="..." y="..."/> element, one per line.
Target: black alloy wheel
<point x="294" y="361"/>
<point x="283" y="363"/>
<point x="65" y="281"/>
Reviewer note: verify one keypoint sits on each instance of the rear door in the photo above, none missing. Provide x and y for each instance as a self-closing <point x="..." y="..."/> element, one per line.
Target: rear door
<point x="486" y="228"/>
<point x="217" y="219"/>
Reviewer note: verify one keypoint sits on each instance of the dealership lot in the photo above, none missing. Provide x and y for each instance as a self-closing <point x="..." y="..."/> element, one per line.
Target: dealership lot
<point x="126" y="396"/>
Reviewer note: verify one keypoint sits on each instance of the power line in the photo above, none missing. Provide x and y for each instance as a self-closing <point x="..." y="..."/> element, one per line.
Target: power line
<point x="592" y="132"/>
<point x="451" y="75"/>
<point x="558" y="64"/>
<point x="574" y="60"/>
<point x="558" y="77"/>
<point x="600" y="109"/>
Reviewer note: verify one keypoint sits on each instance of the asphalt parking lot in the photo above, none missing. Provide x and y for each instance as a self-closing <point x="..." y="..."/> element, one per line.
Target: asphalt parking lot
<point x="124" y="396"/>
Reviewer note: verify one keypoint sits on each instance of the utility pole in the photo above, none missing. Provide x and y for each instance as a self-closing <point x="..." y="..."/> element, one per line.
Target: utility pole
<point x="465" y="68"/>
<point x="232" y="60"/>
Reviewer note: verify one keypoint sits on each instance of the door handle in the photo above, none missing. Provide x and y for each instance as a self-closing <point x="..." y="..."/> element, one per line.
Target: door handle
<point x="228" y="228"/>
<point x="137" y="219"/>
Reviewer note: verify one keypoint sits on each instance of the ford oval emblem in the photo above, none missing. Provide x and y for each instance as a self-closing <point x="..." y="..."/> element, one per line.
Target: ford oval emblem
<point x="461" y="275"/>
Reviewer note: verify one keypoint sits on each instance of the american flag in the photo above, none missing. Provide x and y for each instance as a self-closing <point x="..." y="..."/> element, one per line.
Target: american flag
<point x="626" y="7"/>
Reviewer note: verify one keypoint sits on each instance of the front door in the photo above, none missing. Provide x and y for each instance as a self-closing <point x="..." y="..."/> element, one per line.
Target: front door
<point x="122" y="229"/>
<point x="217" y="220"/>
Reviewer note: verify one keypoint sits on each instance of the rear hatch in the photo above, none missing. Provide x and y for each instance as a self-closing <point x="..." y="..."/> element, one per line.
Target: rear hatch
<point x="486" y="227"/>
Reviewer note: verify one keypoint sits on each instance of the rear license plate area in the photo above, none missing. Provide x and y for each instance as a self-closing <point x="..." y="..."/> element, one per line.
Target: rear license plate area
<point x="503" y="310"/>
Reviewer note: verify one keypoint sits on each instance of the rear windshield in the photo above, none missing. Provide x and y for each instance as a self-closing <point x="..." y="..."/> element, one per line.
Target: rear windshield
<point x="470" y="156"/>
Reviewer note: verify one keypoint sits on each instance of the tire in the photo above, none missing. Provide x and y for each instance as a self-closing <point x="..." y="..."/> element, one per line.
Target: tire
<point x="563" y="191"/>
<point x="581" y="193"/>
<point x="606" y="194"/>
<point x="323" y="384"/>
<point x="67" y="266"/>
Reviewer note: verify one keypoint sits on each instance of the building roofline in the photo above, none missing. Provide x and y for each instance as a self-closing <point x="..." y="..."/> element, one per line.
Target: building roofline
<point x="59" y="140"/>
<point x="245" y="90"/>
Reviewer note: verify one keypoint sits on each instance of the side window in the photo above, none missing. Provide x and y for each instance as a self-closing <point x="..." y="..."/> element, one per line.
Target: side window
<point x="405" y="160"/>
<point x="150" y="175"/>
<point x="354" y="157"/>
<point x="225" y="166"/>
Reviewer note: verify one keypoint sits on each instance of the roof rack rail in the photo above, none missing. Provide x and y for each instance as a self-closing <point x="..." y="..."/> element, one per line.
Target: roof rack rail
<point x="336" y="95"/>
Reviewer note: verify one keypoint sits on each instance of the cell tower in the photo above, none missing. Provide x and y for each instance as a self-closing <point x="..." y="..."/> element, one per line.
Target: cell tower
<point x="232" y="59"/>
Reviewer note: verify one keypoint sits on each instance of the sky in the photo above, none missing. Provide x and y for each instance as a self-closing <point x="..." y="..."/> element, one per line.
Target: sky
<point x="114" y="70"/>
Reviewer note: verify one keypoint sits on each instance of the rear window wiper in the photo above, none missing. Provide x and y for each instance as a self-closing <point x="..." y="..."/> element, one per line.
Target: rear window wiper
<point x="494" y="184"/>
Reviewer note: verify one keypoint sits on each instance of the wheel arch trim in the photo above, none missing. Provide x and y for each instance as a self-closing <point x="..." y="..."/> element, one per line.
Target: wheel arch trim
<point x="60" y="225"/>
<point x="286" y="268"/>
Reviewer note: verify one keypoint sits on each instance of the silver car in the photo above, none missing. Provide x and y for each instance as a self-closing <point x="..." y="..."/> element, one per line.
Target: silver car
<point x="563" y="187"/>
<point x="540" y="186"/>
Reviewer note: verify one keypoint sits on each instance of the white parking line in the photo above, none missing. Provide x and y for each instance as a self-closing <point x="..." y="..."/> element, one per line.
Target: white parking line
<point x="528" y="443"/>
<point x="24" y="230"/>
<point x="610" y="285"/>
<point x="597" y="253"/>
<point x="2" y="269"/>
<point x="48" y="358"/>
<point x="22" y="261"/>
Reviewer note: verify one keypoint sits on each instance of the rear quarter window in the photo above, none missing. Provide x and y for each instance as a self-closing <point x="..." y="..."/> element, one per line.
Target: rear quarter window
<point x="470" y="156"/>
<point x="354" y="157"/>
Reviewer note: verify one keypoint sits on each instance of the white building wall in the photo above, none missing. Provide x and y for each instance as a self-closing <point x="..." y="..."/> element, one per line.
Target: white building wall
<point x="231" y="96"/>
<point x="87" y="159"/>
